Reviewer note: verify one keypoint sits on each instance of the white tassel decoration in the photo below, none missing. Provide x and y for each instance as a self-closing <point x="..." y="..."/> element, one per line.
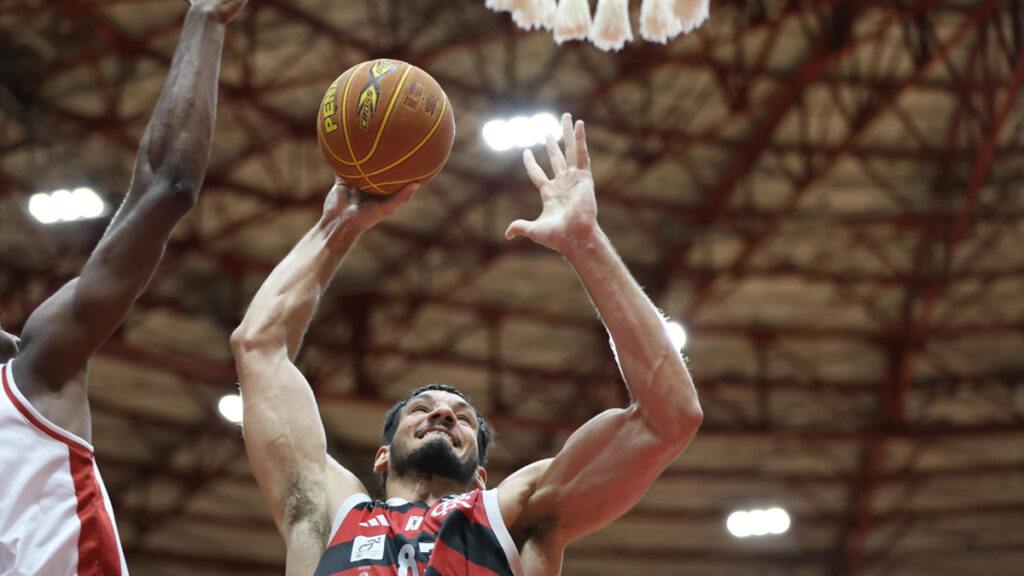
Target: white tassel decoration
<point x="534" y="14"/>
<point x="499" y="5"/>
<point x="692" y="13"/>
<point x="572" y="20"/>
<point x="658" y="21"/>
<point x="611" y="29"/>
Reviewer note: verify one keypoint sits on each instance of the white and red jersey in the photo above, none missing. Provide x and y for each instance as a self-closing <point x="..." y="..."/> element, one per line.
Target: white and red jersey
<point x="55" y="516"/>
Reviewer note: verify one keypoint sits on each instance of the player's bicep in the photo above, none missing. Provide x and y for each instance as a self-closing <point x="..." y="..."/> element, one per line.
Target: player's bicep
<point x="603" y="470"/>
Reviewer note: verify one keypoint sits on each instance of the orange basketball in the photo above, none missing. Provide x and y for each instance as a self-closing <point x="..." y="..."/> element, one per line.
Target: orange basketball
<point x="384" y="124"/>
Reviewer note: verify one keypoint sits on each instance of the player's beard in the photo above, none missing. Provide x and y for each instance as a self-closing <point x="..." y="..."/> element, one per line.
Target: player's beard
<point x="436" y="457"/>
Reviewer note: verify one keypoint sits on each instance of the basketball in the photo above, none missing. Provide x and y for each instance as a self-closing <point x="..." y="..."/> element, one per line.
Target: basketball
<point x="384" y="124"/>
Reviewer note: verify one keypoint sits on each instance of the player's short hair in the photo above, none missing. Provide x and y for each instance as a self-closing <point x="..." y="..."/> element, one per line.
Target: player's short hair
<point x="483" y="436"/>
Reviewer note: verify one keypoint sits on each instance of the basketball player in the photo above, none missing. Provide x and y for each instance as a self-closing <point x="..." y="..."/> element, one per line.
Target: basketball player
<point x="439" y="518"/>
<point x="55" y="517"/>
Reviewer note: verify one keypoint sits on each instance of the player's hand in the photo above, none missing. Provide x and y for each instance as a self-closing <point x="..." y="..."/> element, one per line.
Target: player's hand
<point x="570" y="210"/>
<point x="225" y="10"/>
<point x="359" y="209"/>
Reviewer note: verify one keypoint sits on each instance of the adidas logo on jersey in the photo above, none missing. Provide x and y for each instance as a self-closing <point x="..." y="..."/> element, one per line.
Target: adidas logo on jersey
<point x="379" y="520"/>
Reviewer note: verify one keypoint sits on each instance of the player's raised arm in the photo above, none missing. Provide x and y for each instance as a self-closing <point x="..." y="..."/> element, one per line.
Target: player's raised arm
<point x="64" y="332"/>
<point x="608" y="464"/>
<point x="283" y="431"/>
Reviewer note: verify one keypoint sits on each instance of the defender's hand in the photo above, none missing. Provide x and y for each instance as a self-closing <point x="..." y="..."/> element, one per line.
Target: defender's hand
<point x="570" y="210"/>
<point x="359" y="209"/>
<point x="225" y="10"/>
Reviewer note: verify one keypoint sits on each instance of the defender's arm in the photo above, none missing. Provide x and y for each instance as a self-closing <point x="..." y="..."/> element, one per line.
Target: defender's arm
<point x="169" y="171"/>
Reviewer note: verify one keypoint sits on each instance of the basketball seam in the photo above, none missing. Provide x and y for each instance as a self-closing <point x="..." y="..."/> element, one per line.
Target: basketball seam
<point x="440" y="117"/>
<point x="380" y="132"/>
<point x="327" y="146"/>
<point x="341" y="110"/>
<point x="344" y="129"/>
<point x="323" y="139"/>
<point x="358" y="164"/>
<point x="387" y="116"/>
<point x="431" y="173"/>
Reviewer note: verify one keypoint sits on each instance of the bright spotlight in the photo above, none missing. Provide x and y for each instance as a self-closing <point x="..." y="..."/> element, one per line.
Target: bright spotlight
<point x="521" y="131"/>
<point x="42" y="209"/>
<point x="66" y="206"/>
<point x="230" y="408"/>
<point x="544" y="124"/>
<point x="758" y="525"/>
<point x="777" y="520"/>
<point x="677" y="334"/>
<point x="738" y="524"/>
<point x="497" y="136"/>
<point x="744" y="523"/>
<point x="89" y="204"/>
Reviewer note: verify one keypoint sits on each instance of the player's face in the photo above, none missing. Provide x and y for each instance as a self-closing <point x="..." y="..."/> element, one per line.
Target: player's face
<point x="437" y="436"/>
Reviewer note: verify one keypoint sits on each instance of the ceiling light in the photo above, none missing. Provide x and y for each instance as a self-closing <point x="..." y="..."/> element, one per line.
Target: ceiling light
<point x="521" y="131"/>
<point x="66" y="206"/>
<point x="89" y="204"/>
<point x="230" y="408"/>
<point x="777" y="520"/>
<point x="744" y="523"/>
<point x="41" y="207"/>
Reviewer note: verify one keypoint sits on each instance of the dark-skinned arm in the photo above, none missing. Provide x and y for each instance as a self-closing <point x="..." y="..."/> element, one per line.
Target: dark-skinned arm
<point x="62" y="334"/>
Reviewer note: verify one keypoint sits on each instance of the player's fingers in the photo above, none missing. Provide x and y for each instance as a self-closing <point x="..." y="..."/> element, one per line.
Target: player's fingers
<point x="554" y="154"/>
<point x="569" y="139"/>
<point x="533" y="170"/>
<point x="406" y="192"/>
<point x="401" y="197"/>
<point x="518" y="228"/>
<point x="583" y="163"/>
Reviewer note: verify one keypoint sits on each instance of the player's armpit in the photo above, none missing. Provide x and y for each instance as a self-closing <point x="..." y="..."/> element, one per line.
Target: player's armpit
<point x="305" y="542"/>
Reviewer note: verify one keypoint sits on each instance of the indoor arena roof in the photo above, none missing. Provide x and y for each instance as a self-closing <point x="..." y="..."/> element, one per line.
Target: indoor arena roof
<point x="829" y="195"/>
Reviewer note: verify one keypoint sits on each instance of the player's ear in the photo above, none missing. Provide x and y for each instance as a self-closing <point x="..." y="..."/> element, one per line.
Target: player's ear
<point x="380" y="462"/>
<point x="480" y="482"/>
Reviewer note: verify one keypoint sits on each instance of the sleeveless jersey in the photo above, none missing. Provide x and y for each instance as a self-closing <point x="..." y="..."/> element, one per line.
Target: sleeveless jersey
<point x="55" y="516"/>
<point x="460" y="535"/>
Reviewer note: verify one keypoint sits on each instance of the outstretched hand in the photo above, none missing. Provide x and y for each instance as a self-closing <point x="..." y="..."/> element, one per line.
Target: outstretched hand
<point x="225" y="10"/>
<point x="570" y="209"/>
<point x="362" y="210"/>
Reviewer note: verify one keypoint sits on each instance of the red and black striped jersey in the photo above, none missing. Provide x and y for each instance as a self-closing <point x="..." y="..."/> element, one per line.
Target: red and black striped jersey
<point x="460" y="535"/>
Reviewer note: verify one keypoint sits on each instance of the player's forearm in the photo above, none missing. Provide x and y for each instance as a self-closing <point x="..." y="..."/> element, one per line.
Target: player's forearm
<point x="176" y="144"/>
<point x="654" y="370"/>
<point x="283" y="307"/>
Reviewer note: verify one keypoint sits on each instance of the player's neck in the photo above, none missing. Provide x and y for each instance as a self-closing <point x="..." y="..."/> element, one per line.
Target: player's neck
<point x="415" y="487"/>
